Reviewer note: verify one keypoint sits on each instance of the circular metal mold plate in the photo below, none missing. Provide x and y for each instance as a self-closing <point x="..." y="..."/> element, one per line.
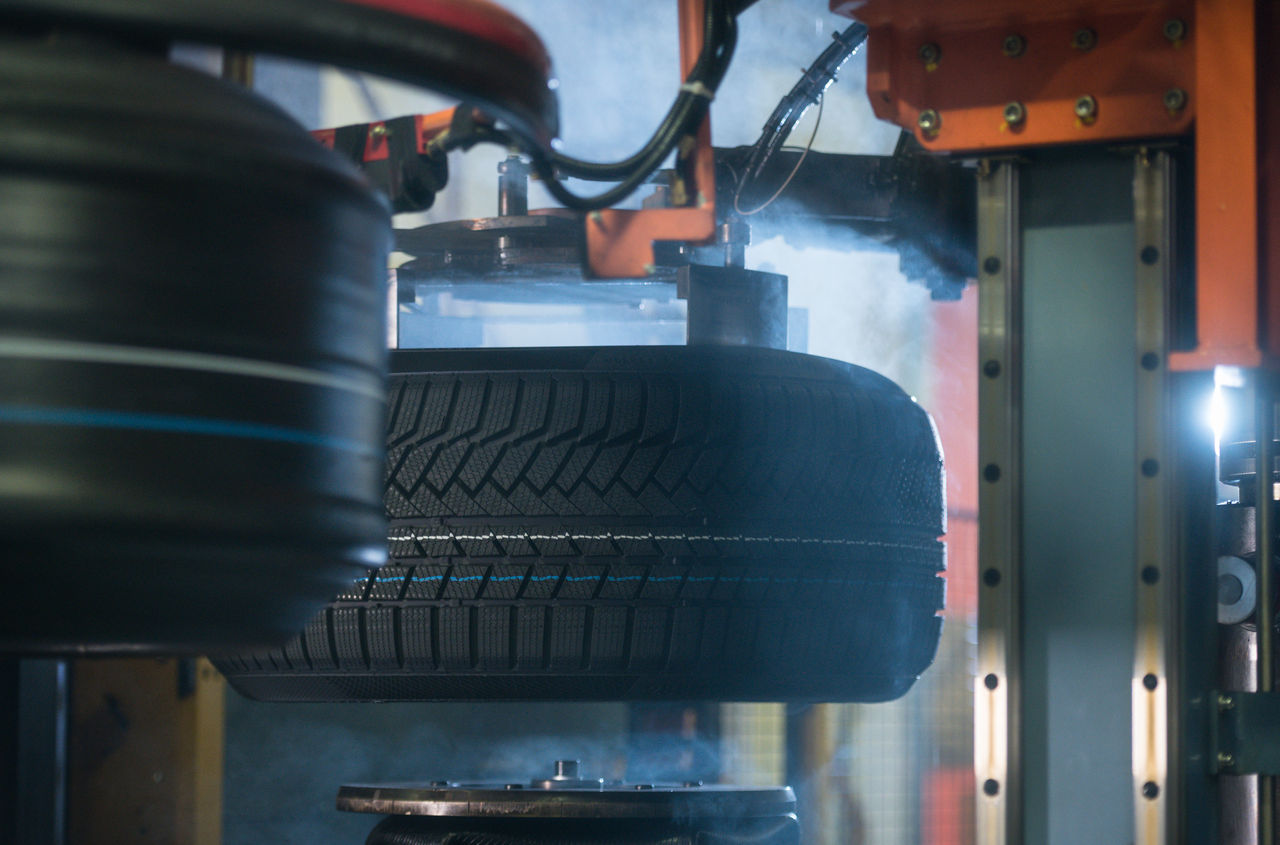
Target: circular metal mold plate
<point x="605" y="801"/>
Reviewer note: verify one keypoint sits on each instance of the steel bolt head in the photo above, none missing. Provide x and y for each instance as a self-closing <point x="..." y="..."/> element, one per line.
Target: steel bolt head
<point x="1015" y="113"/>
<point x="1086" y="107"/>
<point x="1175" y="29"/>
<point x="930" y="53"/>
<point x="1175" y="99"/>
<point x="1084" y="39"/>
<point x="1013" y="46"/>
<point x="929" y="121"/>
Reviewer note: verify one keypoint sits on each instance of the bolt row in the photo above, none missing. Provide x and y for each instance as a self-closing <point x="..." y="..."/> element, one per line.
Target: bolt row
<point x="1085" y="107"/>
<point x="1083" y="39"/>
<point x="1015" y="112"/>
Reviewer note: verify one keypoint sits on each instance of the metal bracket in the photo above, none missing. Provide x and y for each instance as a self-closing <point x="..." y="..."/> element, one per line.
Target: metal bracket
<point x="1246" y="735"/>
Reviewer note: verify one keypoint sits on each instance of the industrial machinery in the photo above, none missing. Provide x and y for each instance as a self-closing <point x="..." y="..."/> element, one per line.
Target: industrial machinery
<point x="724" y="519"/>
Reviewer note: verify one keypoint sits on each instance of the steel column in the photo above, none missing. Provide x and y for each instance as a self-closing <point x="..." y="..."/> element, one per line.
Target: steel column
<point x="996" y="695"/>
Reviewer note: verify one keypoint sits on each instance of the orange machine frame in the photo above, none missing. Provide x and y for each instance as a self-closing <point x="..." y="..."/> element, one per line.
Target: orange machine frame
<point x="619" y="241"/>
<point x="1154" y="69"/>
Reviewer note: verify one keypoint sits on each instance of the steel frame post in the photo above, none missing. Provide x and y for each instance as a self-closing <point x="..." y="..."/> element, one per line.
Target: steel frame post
<point x="1155" y="681"/>
<point x="997" y="702"/>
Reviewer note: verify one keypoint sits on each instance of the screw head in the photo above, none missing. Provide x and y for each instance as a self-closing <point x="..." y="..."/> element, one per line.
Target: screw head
<point x="929" y="53"/>
<point x="1084" y="39"/>
<point x="1015" y="113"/>
<point x="1150" y="790"/>
<point x="1226" y="760"/>
<point x="1225" y="702"/>
<point x="929" y="121"/>
<point x="1086" y="107"/>
<point x="1175" y="99"/>
<point x="1013" y="46"/>
<point x="379" y="130"/>
<point x="1175" y="29"/>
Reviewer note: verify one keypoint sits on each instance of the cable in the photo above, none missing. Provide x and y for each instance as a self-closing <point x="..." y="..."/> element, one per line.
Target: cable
<point x="683" y="119"/>
<point x="737" y="195"/>
<point x="817" y="77"/>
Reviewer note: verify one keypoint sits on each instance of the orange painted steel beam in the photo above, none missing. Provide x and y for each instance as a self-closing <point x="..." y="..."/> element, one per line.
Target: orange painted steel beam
<point x="1227" y="248"/>
<point x="1076" y="72"/>
<point x="620" y="241"/>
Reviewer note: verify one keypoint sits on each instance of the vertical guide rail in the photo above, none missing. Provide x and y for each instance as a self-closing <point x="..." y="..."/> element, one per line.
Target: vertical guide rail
<point x="1264" y="524"/>
<point x="1155" y="681"/>
<point x="997" y="693"/>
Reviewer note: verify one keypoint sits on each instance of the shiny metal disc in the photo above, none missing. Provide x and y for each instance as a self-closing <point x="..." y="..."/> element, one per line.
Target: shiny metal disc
<point x="599" y="800"/>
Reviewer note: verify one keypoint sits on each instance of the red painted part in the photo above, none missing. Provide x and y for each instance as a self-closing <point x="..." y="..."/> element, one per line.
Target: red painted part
<point x="1127" y="70"/>
<point x="946" y="805"/>
<point x="1269" y="169"/>
<point x="479" y="18"/>
<point x="952" y="400"/>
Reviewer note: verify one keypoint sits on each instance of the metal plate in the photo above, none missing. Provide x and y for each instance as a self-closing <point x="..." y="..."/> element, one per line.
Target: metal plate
<point x="601" y="801"/>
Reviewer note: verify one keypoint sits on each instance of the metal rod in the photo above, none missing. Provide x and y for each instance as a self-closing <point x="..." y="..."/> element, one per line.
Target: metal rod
<point x="237" y="67"/>
<point x="1264" y="434"/>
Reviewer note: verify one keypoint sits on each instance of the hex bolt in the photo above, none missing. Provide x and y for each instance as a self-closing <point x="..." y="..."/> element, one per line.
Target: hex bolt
<point x="930" y="53"/>
<point x="1086" y="108"/>
<point x="1175" y="99"/>
<point x="1175" y="29"/>
<point x="1013" y="46"/>
<point x="929" y="122"/>
<point x="1084" y="39"/>
<point x="1015" y="113"/>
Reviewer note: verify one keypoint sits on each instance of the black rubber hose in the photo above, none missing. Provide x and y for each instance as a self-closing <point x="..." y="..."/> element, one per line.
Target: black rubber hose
<point x="690" y="109"/>
<point x="708" y="72"/>
<point x="802" y="95"/>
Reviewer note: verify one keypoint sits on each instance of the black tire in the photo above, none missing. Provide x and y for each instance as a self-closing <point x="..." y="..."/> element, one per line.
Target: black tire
<point x="192" y="299"/>
<point x="643" y="522"/>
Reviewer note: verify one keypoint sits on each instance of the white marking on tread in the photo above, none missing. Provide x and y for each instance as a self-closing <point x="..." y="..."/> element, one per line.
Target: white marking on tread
<point x="178" y="359"/>
<point x="826" y="541"/>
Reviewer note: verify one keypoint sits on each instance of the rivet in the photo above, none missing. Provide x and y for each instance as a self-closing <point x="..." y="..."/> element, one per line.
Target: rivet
<point x="1226" y="760"/>
<point x="991" y="368"/>
<point x="991" y="265"/>
<point x="1150" y="790"/>
<point x="930" y="122"/>
<point x="1150" y="467"/>
<point x="1013" y="46"/>
<point x="1150" y="681"/>
<point x="991" y="577"/>
<point x="1086" y="107"/>
<point x="991" y="472"/>
<point x="1084" y="39"/>
<point x="1175" y="29"/>
<point x="991" y="681"/>
<point x="1150" y="575"/>
<point x="1150" y="361"/>
<point x="1149" y="255"/>
<point x="930" y="53"/>
<point x="991" y="786"/>
<point x="1225" y="702"/>
<point x="1175" y="99"/>
<point x="1014" y="113"/>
